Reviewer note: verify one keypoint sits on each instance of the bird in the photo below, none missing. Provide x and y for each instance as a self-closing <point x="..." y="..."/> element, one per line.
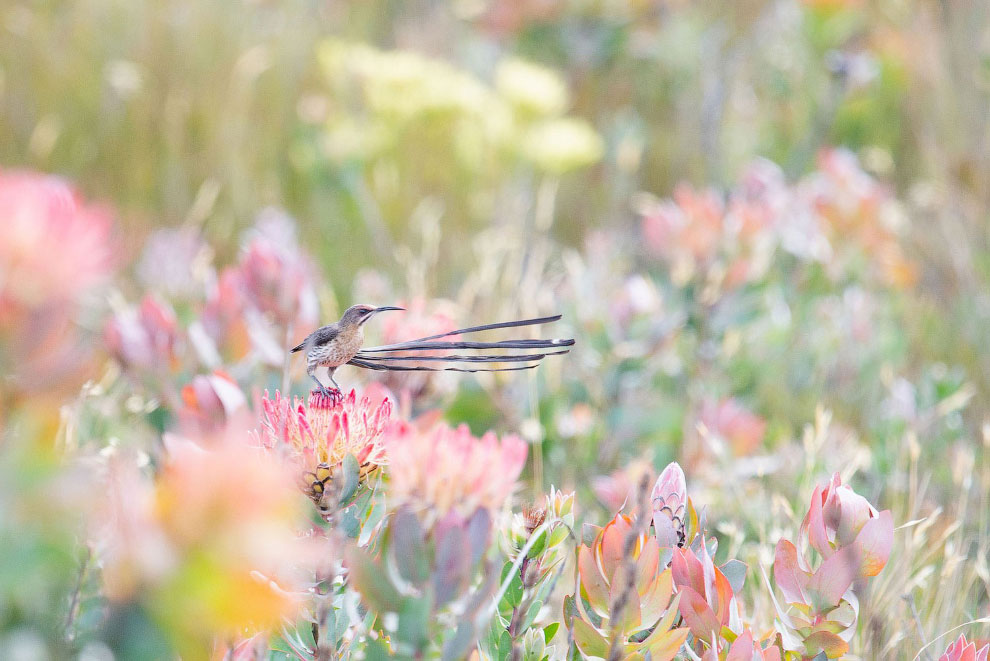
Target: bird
<point x="341" y="343"/>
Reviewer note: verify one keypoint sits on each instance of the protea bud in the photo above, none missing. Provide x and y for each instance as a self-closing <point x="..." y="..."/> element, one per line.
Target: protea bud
<point x="670" y="506"/>
<point x="963" y="650"/>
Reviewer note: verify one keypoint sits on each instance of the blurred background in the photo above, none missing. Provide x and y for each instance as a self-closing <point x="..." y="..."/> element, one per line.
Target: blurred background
<point x="764" y="221"/>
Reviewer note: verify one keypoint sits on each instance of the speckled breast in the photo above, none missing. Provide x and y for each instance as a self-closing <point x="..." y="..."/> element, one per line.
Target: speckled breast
<point x="342" y="348"/>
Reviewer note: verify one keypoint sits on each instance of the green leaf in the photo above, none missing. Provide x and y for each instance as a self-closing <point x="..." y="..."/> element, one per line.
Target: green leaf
<point x="550" y="631"/>
<point x="414" y="619"/>
<point x="588" y="640"/>
<point x="350" y="476"/>
<point x="368" y="578"/>
<point x="557" y="535"/>
<point x="534" y="610"/>
<point x="570" y="610"/>
<point x="538" y="546"/>
<point x="514" y="593"/>
<point x="458" y="645"/>
<point x="348" y="523"/>
<point x="375" y="650"/>
<point x="374" y="514"/>
<point x="504" y="646"/>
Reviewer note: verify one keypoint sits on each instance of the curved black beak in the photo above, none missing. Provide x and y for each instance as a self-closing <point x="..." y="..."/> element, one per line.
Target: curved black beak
<point x="387" y="307"/>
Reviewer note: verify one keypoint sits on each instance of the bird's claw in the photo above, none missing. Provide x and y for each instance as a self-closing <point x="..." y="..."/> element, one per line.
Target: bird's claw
<point x="331" y="393"/>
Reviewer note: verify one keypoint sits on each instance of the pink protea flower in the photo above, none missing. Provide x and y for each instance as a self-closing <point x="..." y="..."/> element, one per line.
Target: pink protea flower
<point x="963" y="650"/>
<point x="278" y="283"/>
<point x="228" y="513"/>
<point x="317" y="436"/>
<point x="447" y="469"/>
<point x="857" y="211"/>
<point x="209" y="401"/>
<point x="224" y="320"/>
<point x="145" y="337"/>
<point x="53" y="246"/>
<point x="618" y="488"/>
<point x="669" y="499"/>
<point x="269" y="294"/>
<point x="729" y="422"/>
<point x="688" y="226"/>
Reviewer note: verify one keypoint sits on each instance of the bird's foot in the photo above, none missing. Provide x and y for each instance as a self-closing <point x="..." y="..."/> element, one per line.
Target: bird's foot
<point x="333" y="394"/>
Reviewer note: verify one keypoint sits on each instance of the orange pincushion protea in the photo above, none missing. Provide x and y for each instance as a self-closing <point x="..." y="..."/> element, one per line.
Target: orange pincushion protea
<point x="319" y="435"/>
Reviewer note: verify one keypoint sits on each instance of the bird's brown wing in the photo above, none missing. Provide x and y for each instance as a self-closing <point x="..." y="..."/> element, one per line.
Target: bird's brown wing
<point x="319" y="337"/>
<point x="385" y="357"/>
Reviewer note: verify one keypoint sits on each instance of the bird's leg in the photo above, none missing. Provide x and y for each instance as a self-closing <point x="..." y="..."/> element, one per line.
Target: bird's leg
<point x="330" y="372"/>
<point x="311" y="370"/>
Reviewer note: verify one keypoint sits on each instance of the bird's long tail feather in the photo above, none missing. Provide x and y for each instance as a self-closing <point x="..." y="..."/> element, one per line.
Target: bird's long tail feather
<point x="384" y="357"/>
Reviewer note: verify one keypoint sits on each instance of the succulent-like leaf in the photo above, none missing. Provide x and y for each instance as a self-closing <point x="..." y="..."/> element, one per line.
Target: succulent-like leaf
<point x="624" y="606"/>
<point x="697" y="614"/>
<point x="656" y="599"/>
<point x="833" y="578"/>
<point x="610" y="544"/>
<point x="452" y="564"/>
<point x="349" y="475"/>
<point x="371" y="581"/>
<point x="590" y="643"/>
<point x="664" y="644"/>
<point x="874" y="542"/>
<point x="412" y="629"/>
<point x="479" y="528"/>
<point x="408" y="547"/>
<point x="647" y="565"/>
<point x="593" y="584"/>
<point x="735" y="572"/>
<point x="787" y="573"/>
<point x="458" y="645"/>
<point x="827" y="643"/>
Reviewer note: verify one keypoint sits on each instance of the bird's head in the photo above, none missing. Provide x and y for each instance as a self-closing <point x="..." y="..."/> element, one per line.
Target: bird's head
<point x="358" y="314"/>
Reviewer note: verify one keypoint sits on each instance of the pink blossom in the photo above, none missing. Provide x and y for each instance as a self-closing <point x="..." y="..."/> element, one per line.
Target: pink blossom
<point x="145" y="337"/>
<point x="450" y="469"/>
<point x="53" y="246"/>
<point x="316" y="437"/>
<point x="619" y="487"/>
<point x="278" y="283"/>
<point x="730" y="422"/>
<point x="669" y="499"/>
<point x="689" y="224"/>
<point x="211" y="400"/>
<point x="228" y="513"/>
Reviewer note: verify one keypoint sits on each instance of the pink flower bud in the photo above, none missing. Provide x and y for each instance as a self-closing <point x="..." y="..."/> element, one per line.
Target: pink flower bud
<point x="963" y="650"/>
<point x="670" y="506"/>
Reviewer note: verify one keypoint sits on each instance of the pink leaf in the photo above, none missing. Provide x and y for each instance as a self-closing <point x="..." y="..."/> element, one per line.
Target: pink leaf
<point x="874" y="542"/>
<point x="787" y="573"/>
